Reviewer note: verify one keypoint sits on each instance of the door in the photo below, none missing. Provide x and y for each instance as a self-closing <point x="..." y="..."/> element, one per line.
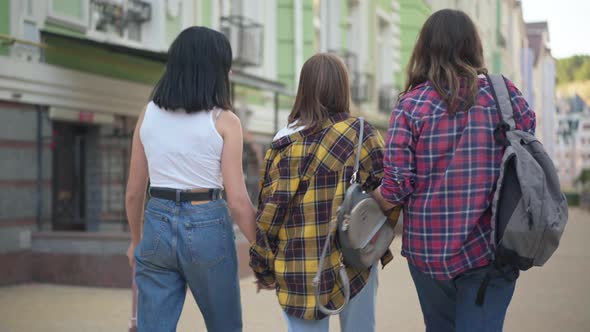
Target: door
<point x="69" y="176"/>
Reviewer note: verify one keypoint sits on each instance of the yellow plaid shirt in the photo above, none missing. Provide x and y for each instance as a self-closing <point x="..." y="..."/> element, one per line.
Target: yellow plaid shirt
<point x="302" y="186"/>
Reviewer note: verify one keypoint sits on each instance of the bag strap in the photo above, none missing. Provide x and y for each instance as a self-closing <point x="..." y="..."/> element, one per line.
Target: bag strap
<point x="504" y="108"/>
<point x="332" y="229"/>
<point x="502" y="97"/>
<point x="342" y="273"/>
<point x="357" y="160"/>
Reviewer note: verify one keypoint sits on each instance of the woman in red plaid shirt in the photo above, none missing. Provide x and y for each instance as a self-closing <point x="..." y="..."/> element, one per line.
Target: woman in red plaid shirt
<point x="441" y="163"/>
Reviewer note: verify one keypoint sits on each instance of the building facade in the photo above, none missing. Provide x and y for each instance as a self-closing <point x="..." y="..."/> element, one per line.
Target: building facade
<point x="572" y="148"/>
<point x="75" y="74"/>
<point x="519" y="51"/>
<point x="413" y="14"/>
<point x="543" y="87"/>
<point x="502" y="30"/>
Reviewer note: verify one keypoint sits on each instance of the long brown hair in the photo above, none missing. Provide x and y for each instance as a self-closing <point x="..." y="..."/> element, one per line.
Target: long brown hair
<point x="449" y="54"/>
<point x="323" y="89"/>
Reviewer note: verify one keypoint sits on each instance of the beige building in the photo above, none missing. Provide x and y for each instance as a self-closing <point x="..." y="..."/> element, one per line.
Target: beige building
<point x="543" y="84"/>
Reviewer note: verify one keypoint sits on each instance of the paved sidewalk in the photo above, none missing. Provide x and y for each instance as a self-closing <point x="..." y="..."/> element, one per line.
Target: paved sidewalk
<point x="554" y="298"/>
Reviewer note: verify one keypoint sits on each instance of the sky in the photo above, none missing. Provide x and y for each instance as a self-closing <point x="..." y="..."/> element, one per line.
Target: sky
<point x="569" y="24"/>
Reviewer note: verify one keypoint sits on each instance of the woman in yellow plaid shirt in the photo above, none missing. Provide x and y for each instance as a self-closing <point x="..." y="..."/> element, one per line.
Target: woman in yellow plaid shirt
<point x="308" y="168"/>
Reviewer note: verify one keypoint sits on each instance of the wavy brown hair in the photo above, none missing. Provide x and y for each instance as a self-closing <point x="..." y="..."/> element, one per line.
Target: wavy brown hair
<point x="449" y="54"/>
<point x="323" y="89"/>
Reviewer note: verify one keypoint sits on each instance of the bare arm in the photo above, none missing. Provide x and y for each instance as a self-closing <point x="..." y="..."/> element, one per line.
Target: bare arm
<point x="238" y="200"/>
<point x="136" y="188"/>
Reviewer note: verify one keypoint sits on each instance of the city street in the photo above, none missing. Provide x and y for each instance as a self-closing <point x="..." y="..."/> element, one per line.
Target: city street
<point x="553" y="298"/>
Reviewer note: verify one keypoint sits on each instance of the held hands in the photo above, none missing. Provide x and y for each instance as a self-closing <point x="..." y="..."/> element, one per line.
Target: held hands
<point x="261" y="286"/>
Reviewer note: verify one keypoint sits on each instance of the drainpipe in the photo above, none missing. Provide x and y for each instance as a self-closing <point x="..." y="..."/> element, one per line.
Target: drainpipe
<point x="298" y="22"/>
<point x="276" y="115"/>
<point x="39" y="202"/>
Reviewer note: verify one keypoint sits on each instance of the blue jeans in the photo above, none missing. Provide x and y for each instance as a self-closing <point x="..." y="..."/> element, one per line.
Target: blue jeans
<point x="185" y="244"/>
<point x="358" y="315"/>
<point x="450" y="305"/>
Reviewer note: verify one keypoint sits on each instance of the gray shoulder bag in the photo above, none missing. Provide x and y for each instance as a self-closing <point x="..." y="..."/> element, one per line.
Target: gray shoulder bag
<point x="363" y="232"/>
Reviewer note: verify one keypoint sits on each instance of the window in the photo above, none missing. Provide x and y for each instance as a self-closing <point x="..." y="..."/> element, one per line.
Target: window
<point x="72" y="14"/>
<point x="29" y="8"/>
<point x="29" y="31"/>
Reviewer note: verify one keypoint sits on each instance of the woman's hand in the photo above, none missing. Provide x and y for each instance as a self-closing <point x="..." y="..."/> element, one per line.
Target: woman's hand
<point x="383" y="204"/>
<point x="136" y="188"/>
<point x="130" y="255"/>
<point x="261" y="286"/>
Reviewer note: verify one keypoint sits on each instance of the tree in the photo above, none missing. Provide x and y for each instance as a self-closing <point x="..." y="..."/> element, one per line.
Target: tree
<point x="584" y="178"/>
<point x="573" y="69"/>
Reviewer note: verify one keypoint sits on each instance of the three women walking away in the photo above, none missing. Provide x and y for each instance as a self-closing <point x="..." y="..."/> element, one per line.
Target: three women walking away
<point x="440" y="162"/>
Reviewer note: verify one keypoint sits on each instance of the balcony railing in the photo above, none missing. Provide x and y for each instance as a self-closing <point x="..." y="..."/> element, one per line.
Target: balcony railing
<point x="361" y="84"/>
<point x="124" y="18"/>
<point x="362" y="87"/>
<point x="387" y="97"/>
<point x="246" y="38"/>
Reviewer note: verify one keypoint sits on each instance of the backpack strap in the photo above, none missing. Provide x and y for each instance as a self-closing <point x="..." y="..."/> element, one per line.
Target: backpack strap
<point x="357" y="160"/>
<point x="506" y="123"/>
<point x="502" y="97"/>
<point x="504" y="108"/>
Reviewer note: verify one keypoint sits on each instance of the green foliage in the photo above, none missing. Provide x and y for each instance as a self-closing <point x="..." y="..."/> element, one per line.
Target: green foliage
<point x="573" y="69"/>
<point x="584" y="178"/>
<point x="573" y="199"/>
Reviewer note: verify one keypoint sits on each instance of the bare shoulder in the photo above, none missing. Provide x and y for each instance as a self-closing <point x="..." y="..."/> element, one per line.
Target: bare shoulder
<point x="229" y="117"/>
<point x="228" y="122"/>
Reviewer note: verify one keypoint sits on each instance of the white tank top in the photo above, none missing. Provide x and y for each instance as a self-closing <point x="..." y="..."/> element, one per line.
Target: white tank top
<point x="183" y="150"/>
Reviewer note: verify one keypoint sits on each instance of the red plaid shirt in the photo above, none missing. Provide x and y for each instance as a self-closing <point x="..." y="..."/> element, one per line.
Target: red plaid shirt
<point x="443" y="169"/>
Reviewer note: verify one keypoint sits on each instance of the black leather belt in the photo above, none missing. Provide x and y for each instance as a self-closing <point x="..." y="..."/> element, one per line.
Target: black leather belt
<point x="178" y="195"/>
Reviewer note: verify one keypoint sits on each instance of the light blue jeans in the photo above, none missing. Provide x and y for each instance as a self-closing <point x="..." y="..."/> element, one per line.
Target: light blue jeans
<point x="185" y="244"/>
<point x="357" y="316"/>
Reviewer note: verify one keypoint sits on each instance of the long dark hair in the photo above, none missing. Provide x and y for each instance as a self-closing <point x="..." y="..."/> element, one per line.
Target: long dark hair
<point x="323" y="89"/>
<point x="197" y="72"/>
<point x="449" y="54"/>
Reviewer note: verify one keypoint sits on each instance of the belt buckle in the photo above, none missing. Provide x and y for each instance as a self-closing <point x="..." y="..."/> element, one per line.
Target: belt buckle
<point x="216" y="195"/>
<point x="178" y="191"/>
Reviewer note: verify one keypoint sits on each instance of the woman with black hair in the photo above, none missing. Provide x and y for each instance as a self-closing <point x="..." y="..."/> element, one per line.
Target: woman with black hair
<point x="189" y="146"/>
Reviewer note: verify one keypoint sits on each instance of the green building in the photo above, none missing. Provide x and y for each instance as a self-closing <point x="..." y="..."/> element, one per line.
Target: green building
<point x="75" y="74"/>
<point x="413" y="14"/>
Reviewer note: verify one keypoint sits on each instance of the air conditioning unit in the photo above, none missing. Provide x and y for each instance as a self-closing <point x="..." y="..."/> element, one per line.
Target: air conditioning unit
<point x="246" y="38"/>
<point x="30" y="32"/>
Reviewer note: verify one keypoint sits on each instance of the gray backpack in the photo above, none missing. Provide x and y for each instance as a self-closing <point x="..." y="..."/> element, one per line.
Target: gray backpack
<point x="529" y="211"/>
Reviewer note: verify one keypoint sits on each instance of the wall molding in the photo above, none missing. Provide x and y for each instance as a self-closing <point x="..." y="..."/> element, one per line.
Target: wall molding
<point x="43" y="84"/>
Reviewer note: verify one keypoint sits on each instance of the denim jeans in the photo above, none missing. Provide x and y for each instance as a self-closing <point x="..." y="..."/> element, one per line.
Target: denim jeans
<point x="358" y="315"/>
<point x="187" y="245"/>
<point x="450" y="305"/>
